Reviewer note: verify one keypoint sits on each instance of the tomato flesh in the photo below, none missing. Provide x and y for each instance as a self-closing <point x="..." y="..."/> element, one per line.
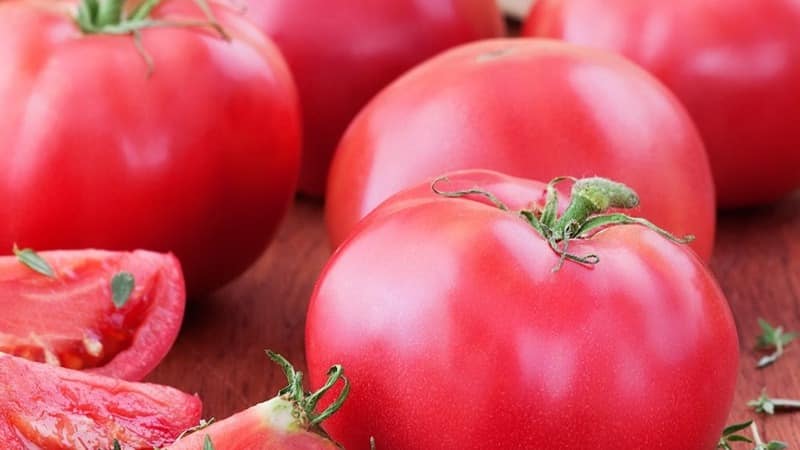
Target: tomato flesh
<point x="52" y="408"/>
<point x="71" y="321"/>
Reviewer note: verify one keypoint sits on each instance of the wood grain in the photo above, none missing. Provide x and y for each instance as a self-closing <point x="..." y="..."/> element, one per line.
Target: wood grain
<point x="220" y="351"/>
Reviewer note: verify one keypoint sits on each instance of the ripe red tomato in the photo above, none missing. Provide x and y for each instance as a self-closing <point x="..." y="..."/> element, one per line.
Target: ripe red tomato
<point x="267" y="425"/>
<point x="287" y="422"/>
<point x="531" y="108"/>
<point x="199" y="158"/>
<point x="734" y="64"/>
<point x="342" y="52"/>
<point x="71" y="320"/>
<point x="51" y="408"/>
<point x="456" y="330"/>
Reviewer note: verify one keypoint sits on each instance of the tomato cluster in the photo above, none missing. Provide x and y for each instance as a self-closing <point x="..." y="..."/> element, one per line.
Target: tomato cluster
<point x="522" y="225"/>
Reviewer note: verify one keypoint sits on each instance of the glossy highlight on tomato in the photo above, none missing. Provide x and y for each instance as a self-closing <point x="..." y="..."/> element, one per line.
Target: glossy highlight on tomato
<point x="531" y="108"/>
<point x="70" y="320"/>
<point x="188" y="143"/>
<point x="734" y="64"/>
<point x="342" y="52"/>
<point x="458" y="321"/>
<point x="52" y="408"/>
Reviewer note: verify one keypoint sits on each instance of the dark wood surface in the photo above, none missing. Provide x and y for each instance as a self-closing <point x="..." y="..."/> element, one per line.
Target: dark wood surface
<point x="220" y="351"/>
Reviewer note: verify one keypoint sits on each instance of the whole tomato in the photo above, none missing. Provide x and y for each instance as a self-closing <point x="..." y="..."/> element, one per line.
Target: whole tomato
<point x="531" y="108"/>
<point x="342" y="52"/>
<point x="489" y="321"/>
<point x="734" y="64"/>
<point x="176" y="138"/>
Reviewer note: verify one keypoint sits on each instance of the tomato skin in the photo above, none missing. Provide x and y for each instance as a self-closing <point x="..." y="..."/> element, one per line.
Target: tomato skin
<point x="51" y="408"/>
<point x="516" y="193"/>
<point x="76" y="305"/>
<point x="343" y="52"/>
<point x="531" y="108"/>
<point x="735" y="65"/>
<point x="265" y="426"/>
<point x="200" y="158"/>
<point x="455" y="331"/>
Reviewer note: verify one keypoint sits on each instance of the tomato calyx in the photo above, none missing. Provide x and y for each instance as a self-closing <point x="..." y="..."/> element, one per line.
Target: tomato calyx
<point x="587" y="213"/>
<point x="304" y="404"/>
<point x="110" y="17"/>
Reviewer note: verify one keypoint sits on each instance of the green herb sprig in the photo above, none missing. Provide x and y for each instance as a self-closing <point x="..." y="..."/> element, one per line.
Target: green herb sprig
<point x="772" y="338"/>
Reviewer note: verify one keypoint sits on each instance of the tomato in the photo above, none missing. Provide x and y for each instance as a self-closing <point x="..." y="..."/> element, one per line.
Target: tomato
<point x="461" y="327"/>
<point x="199" y="157"/>
<point x="286" y="422"/>
<point x="70" y="319"/>
<point x="734" y="64"/>
<point x="267" y="425"/>
<point x="530" y="108"/>
<point x="45" y="407"/>
<point x="342" y="52"/>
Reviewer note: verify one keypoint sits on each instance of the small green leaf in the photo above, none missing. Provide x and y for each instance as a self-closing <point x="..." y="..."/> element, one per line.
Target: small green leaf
<point x="207" y="444"/>
<point x="729" y="435"/>
<point x="116" y="445"/>
<point x="121" y="288"/>
<point x="35" y="262"/>
<point x="767" y="337"/>
<point x="777" y="445"/>
<point x="736" y="428"/>
<point x="787" y="338"/>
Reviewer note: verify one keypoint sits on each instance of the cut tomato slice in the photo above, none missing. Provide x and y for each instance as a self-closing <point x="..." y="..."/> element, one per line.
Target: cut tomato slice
<point x="70" y="320"/>
<point x="46" y="407"/>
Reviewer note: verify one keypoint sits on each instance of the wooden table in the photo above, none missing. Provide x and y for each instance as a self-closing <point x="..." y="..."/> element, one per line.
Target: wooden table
<point x="220" y="351"/>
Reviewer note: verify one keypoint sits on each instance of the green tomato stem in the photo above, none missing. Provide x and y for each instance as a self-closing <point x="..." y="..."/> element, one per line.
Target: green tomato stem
<point x="586" y="214"/>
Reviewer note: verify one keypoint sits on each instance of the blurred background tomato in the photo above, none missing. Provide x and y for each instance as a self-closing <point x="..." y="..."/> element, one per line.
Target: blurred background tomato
<point x="342" y="52"/>
<point x="735" y="65"/>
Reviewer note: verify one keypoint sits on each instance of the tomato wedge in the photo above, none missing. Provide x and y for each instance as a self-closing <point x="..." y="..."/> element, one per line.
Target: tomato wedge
<point x="70" y="320"/>
<point x="287" y="421"/>
<point x="45" y="407"/>
<point x="267" y="425"/>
